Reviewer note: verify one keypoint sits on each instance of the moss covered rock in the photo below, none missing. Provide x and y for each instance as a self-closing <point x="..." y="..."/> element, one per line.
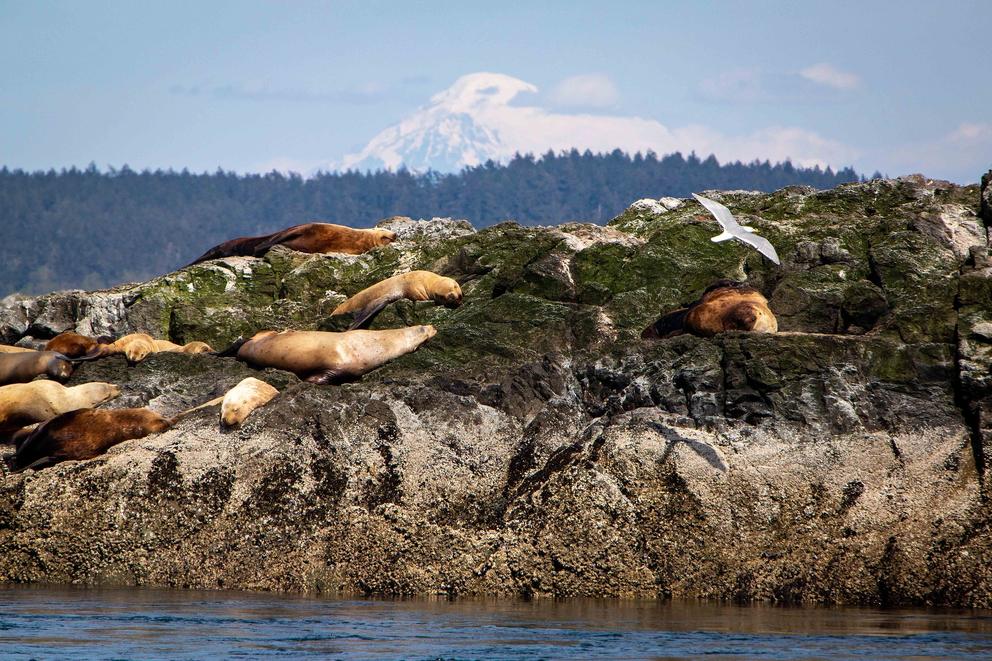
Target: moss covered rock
<point x="537" y="446"/>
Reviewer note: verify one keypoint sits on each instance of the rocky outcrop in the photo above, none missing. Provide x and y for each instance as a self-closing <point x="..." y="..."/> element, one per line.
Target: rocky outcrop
<point x="537" y="446"/>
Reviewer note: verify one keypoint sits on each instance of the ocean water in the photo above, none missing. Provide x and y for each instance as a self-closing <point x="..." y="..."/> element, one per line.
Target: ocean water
<point x="61" y="623"/>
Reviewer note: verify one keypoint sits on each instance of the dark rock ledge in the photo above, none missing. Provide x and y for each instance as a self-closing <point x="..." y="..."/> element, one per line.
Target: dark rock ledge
<point x="537" y="446"/>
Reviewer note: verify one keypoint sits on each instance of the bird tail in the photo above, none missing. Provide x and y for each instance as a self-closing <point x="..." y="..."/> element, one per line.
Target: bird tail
<point x="720" y="238"/>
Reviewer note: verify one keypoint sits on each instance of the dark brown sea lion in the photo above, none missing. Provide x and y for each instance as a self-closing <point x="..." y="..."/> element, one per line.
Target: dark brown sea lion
<point x="322" y="357"/>
<point x="415" y="286"/>
<point x="88" y="433"/>
<point x="309" y="237"/>
<point x="726" y="305"/>
<point x="24" y="404"/>
<point x="24" y="367"/>
<point x="75" y="345"/>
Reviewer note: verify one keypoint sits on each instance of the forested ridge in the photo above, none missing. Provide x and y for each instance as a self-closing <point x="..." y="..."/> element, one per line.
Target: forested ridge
<point x="90" y="229"/>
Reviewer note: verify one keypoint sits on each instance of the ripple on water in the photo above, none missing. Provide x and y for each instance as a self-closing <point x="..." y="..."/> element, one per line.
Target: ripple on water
<point x="83" y="624"/>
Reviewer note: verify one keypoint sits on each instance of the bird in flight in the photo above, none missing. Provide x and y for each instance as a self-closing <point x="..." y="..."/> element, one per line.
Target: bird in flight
<point x="733" y="230"/>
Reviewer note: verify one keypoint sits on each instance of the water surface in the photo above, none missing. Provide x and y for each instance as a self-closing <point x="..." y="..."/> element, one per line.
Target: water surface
<point x="45" y="622"/>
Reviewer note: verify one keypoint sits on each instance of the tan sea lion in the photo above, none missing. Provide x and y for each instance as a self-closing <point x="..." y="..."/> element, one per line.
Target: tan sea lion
<point x="26" y="366"/>
<point x="726" y="305"/>
<point x="244" y="398"/>
<point x="135" y="347"/>
<point x="190" y="347"/>
<point x="415" y="286"/>
<point x="10" y="348"/>
<point x="309" y="237"/>
<point x="88" y="433"/>
<point x="23" y="404"/>
<point x="74" y="345"/>
<point x="322" y="357"/>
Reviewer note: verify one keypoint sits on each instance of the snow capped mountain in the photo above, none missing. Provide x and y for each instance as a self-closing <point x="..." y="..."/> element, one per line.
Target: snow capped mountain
<point x="475" y="120"/>
<point x="456" y="130"/>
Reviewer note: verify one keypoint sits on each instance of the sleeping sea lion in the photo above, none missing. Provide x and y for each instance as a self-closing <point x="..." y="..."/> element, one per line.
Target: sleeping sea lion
<point x="25" y="366"/>
<point x="415" y="286"/>
<point x="135" y="347"/>
<point x="10" y="348"/>
<point x="244" y="398"/>
<point x="322" y="357"/>
<point x="309" y="237"/>
<point x="88" y="433"/>
<point x="189" y="347"/>
<point x="23" y="404"/>
<point x="75" y="345"/>
<point x="138" y="346"/>
<point x="726" y="305"/>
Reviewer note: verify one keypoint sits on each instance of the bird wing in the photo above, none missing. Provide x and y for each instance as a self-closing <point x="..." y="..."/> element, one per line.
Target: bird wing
<point x="720" y="212"/>
<point x="763" y="245"/>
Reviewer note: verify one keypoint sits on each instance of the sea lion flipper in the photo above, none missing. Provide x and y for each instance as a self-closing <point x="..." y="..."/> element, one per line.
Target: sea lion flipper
<point x="327" y="377"/>
<point x="231" y="351"/>
<point x="364" y="316"/>
<point x="38" y="464"/>
<point x="669" y="325"/>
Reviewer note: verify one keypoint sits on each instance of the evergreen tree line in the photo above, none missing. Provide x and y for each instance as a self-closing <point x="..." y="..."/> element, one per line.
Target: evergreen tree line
<point x="90" y="229"/>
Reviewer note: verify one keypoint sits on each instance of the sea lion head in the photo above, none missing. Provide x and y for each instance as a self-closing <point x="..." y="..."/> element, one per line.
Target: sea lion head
<point x="232" y="413"/>
<point x="100" y="391"/>
<point x="135" y="352"/>
<point x="448" y="293"/>
<point x="197" y="347"/>
<point x="383" y="237"/>
<point x="59" y="369"/>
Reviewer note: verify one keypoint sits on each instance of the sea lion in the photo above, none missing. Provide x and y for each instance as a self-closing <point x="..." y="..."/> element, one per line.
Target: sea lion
<point x="75" y="345"/>
<point x="135" y="347"/>
<point x="189" y="347"/>
<point x="244" y="398"/>
<point x="322" y="357"/>
<point x="88" y="433"/>
<point x="23" y="404"/>
<point x="309" y="237"/>
<point x="24" y="367"/>
<point x="415" y="286"/>
<point x="726" y="305"/>
<point x="138" y="346"/>
<point x="10" y="348"/>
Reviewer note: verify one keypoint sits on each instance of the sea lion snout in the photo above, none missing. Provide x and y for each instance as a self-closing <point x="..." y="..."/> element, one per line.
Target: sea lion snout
<point x="429" y="331"/>
<point x="386" y="237"/>
<point x="60" y="370"/>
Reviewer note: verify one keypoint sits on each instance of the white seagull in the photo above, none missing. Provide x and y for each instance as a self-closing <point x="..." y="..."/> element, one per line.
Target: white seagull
<point x="733" y="230"/>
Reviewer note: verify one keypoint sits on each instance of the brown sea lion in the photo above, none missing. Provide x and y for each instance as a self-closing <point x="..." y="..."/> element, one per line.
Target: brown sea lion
<point x="75" y="345"/>
<point x="726" y="305"/>
<point x="24" y="367"/>
<point x="88" y="433"/>
<point x="322" y="357"/>
<point x="309" y="237"/>
<point x="244" y="398"/>
<point x="23" y="404"/>
<point x="415" y="286"/>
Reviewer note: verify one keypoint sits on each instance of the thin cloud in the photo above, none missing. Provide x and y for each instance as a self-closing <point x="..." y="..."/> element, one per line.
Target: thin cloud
<point x="591" y="90"/>
<point x="263" y="91"/>
<point x="960" y="155"/>
<point x="827" y="74"/>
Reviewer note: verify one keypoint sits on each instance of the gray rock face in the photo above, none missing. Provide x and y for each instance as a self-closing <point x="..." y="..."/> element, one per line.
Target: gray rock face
<point x="537" y="446"/>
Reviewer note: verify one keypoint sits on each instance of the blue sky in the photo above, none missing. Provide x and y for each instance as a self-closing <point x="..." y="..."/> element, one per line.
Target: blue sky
<point x="248" y="86"/>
